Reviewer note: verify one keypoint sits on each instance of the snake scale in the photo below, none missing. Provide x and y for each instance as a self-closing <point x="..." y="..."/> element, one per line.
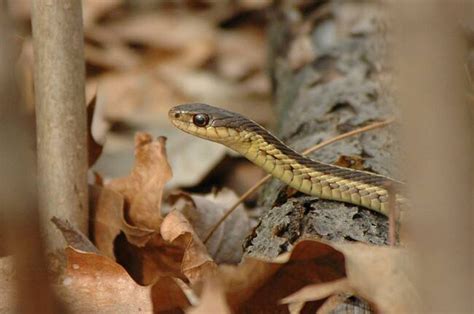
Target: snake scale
<point x="265" y="150"/>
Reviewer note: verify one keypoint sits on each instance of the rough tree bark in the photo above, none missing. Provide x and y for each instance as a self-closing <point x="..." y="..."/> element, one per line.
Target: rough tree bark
<point x="328" y="68"/>
<point x="61" y="114"/>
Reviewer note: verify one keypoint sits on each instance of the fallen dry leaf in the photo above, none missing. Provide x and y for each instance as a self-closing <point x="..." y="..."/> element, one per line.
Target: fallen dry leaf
<point x="87" y="271"/>
<point x="8" y="285"/>
<point x="192" y="159"/>
<point x="137" y="97"/>
<point x="93" y="147"/>
<point x="95" y="283"/>
<point x="331" y="304"/>
<point x="318" y="291"/>
<point x="167" y="296"/>
<point x="196" y="263"/>
<point x="254" y="4"/>
<point x="379" y="274"/>
<point x="108" y="220"/>
<point x="256" y="285"/>
<point x="156" y="259"/>
<point x="204" y="211"/>
<point x="73" y="236"/>
<point x="154" y="29"/>
<point x="143" y="188"/>
<point x="94" y="10"/>
<point x="145" y="253"/>
<point x="208" y="87"/>
<point x="240" y="53"/>
<point x="111" y="57"/>
<point x="106" y="212"/>
<point x="213" y="300"/>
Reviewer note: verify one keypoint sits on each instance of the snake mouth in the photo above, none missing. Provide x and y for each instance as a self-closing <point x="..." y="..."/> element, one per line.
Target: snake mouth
<point x="175" y="117"/>
<point x="173" y="114"/>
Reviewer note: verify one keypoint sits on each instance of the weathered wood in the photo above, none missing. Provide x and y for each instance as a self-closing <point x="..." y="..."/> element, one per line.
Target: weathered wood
<point x="338" y="86"/>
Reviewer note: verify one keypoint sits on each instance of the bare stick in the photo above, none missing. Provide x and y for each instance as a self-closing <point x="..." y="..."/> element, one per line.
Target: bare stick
<point x="306" y="152"/>
<point x="392" y="215"/>
<point x="61" y="115"/>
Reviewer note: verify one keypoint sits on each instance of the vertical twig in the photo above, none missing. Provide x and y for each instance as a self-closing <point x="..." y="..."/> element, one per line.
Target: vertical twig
<point x="392" y="215"/>
<point x="429" y="55"/>
<point x="61" y="114"/>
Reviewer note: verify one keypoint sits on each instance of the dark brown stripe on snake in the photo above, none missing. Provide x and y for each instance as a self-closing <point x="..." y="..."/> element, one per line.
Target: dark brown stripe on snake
<point x="243" y="124"/>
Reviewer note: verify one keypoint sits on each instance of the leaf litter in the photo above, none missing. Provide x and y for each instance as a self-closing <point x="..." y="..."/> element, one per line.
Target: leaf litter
<point x="313" y="270"/>
<point x="147" y="252"/>
<point x="254" y="284"/>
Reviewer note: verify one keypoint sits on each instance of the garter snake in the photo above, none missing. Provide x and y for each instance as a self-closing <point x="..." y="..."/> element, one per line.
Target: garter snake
<point x="265" y="150"/>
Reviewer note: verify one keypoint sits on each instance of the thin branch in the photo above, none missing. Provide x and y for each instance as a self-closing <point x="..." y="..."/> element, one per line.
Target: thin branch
<point x="254" y="188"/>
<point x="392" y="215"/>
<point x="61" y="115"/>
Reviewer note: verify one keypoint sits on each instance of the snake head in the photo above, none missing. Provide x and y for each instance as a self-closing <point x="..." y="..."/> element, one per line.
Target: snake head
<point x="208" y="122"/>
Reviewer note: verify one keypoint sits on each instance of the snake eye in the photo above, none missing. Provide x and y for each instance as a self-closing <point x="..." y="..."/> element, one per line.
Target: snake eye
<point x="201" y="119"/>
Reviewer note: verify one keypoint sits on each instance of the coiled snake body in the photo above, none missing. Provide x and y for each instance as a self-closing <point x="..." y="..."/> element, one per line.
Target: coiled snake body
<point x="265" y="150"/>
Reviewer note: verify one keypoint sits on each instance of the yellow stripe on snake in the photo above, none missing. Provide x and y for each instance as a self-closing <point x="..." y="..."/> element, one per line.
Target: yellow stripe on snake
<point x="266" y="151"/>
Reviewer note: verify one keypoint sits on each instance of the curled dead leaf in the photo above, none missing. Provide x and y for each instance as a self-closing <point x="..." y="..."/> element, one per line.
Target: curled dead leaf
<point x="204" y="211"/>
<point x="382" y="276"/>
<point x="73" y="236"/>
<point x="95" y="283"/>
<point x="108" y="220"/>
<point x="318" y="291"/>
<point x="213" y="299"/>
<point x="153" y="29"/>
<point x="168" y="296"/>
<point x="196" y="263"/>
<point x="379" y="274"/>
<point x="143" y="188"/>
<point x="256" y="285"/>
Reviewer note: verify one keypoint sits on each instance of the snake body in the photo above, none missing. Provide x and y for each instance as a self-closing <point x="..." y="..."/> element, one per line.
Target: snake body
<point x="265" y="150"/>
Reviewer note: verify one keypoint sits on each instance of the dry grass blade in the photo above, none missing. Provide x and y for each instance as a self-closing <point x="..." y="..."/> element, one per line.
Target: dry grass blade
<point x="392" y="216"/>
<point x="369" y="127"/>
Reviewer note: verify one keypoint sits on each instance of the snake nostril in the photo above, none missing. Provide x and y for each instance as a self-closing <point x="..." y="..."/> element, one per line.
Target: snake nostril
<point x="177" y="115"/>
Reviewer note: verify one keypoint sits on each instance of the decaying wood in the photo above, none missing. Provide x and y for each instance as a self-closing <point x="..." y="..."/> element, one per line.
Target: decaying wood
<point x="61" y="115"/>
<point x="328" y="67"/>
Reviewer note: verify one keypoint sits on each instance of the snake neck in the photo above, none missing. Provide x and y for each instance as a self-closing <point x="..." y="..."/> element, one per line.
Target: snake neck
<point x="312" y="177"/>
